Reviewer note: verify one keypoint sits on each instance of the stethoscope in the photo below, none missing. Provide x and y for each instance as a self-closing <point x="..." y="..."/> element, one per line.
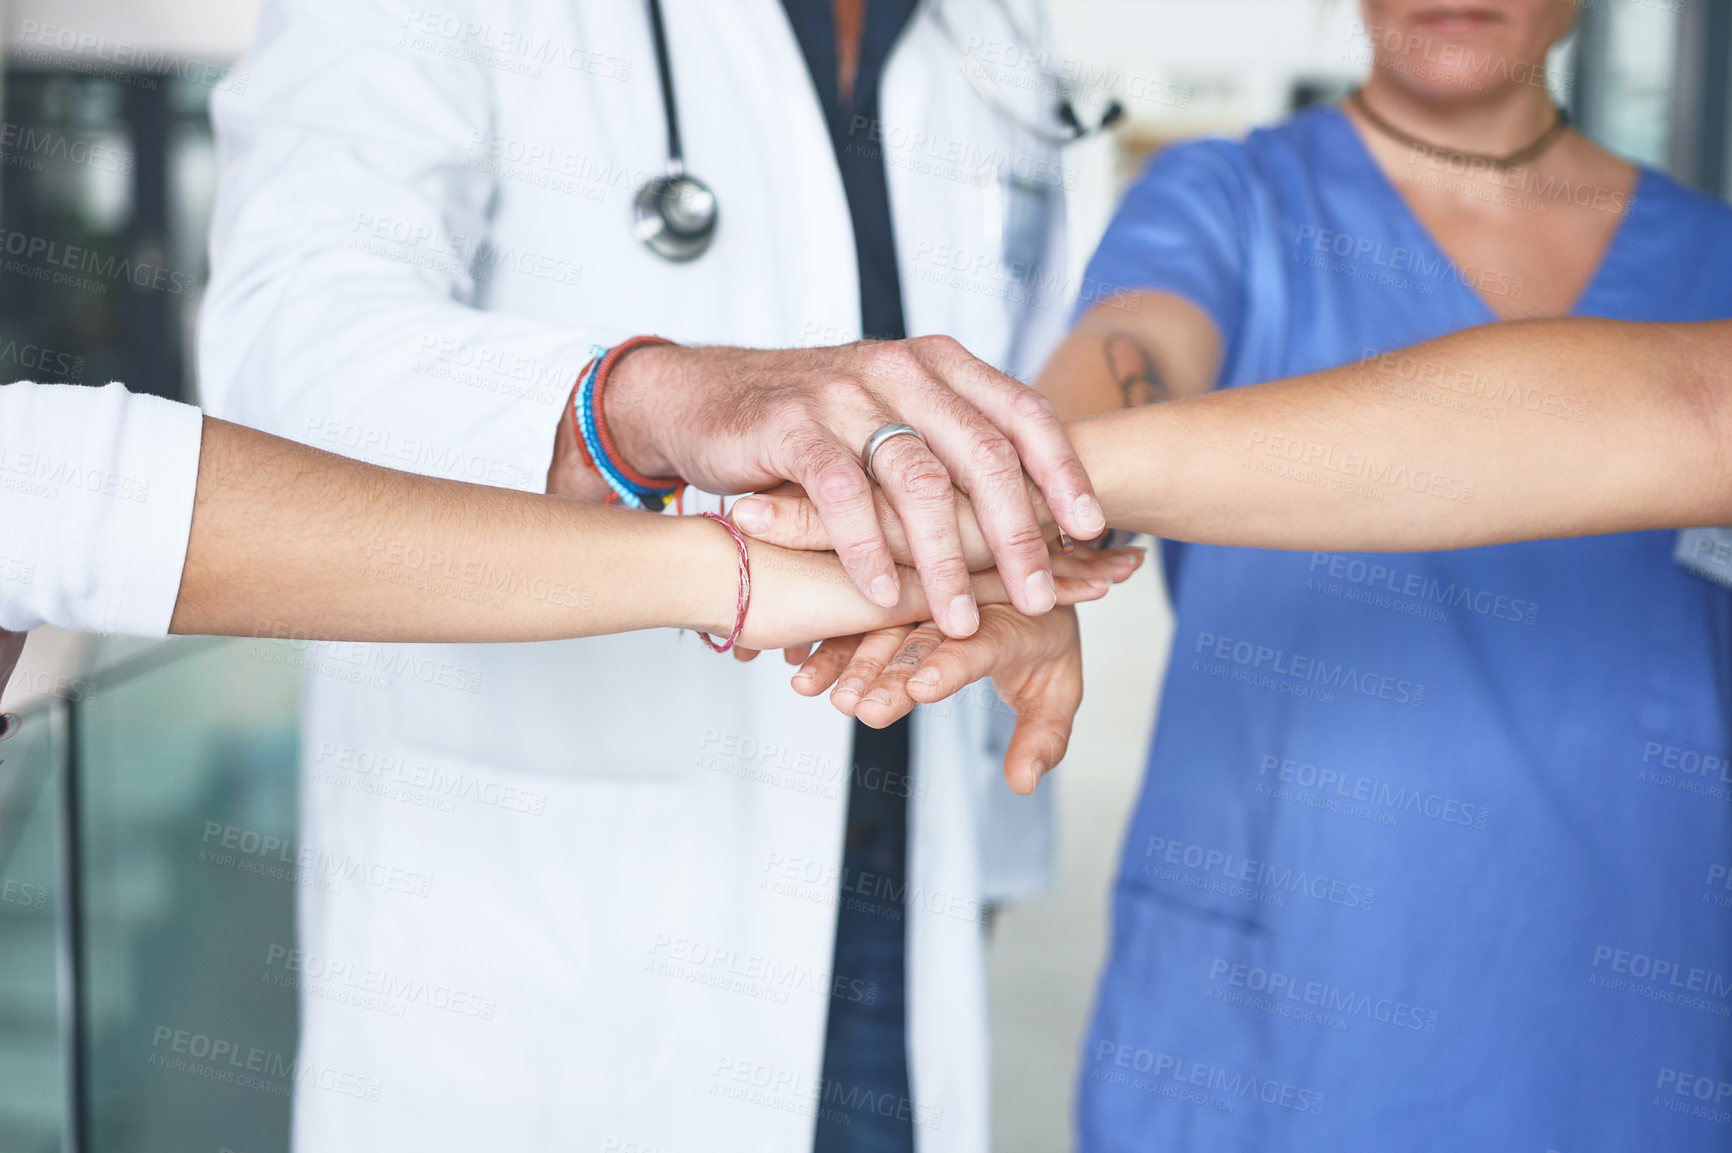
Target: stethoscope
<point x="675" y="214"/>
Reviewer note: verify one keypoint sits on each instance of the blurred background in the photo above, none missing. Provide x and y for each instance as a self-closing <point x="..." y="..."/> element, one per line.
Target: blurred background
<point x="128" y="750"/>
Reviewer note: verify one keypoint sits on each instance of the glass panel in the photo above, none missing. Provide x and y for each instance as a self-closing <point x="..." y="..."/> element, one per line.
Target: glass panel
<point x="187" y="788"/>
<point x="32" y="1060"/>
<point x="105" y="189"/>
<point x="1637" y="91"/>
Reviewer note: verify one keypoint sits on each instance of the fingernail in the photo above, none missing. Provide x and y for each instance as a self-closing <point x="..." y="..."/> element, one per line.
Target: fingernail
<point x="1100" y="586"/>
<point x="926" y="678"/>
<point x="964" y="616"/>
<point x="851" y="688"/>
<point x="804" y="674"/>
<point x="9" y="725"/>
<point x="879" y="696"/>
<point x="1089" y="517"/>
<point x="1039" y="771"/>
<point x="753" y="514"/>
<point x="1041" y="593"/>
<point x="885" y="591"/>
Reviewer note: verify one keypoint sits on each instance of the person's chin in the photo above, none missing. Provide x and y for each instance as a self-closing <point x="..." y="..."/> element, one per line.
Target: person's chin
<point x="1467" y="71"/>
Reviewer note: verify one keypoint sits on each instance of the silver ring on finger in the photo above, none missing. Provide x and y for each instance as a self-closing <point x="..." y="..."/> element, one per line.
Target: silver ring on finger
<point x="877" y="440"/>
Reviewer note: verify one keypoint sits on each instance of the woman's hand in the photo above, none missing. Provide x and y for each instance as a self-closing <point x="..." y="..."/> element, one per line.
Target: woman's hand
<point x="1035" y="664"/>
<point x="786" y="516"/>
<point x="799" y="598"/>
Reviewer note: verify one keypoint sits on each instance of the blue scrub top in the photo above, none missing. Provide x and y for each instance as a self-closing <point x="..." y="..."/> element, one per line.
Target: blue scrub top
<point x="1434" y="850"/>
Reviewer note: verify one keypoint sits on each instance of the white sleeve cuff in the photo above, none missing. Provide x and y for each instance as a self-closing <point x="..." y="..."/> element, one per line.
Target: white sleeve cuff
<point x="96" y="496"/>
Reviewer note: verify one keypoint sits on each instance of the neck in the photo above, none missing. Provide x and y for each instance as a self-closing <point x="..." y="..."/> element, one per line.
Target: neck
<point x="1495" y="122"/>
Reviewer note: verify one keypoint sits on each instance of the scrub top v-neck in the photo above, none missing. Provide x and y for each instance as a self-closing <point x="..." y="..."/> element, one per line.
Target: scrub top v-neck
<point x="1425" y="857"/>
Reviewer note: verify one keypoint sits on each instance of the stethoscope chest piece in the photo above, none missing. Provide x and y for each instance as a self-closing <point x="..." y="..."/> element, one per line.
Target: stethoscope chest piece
<point x="675" y="215"/>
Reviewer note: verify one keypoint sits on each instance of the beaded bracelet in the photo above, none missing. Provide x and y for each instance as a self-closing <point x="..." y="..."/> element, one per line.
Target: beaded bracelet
<point x="589" y="426"/>
<point x="745" y="599"/>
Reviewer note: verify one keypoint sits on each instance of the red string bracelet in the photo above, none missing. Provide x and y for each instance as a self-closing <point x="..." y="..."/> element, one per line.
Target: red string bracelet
<point x="745" y="601"/>
<point x="602" y="372"/>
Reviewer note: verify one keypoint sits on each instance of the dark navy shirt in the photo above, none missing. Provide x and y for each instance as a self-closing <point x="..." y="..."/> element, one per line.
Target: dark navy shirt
<point x="862" y="168"/>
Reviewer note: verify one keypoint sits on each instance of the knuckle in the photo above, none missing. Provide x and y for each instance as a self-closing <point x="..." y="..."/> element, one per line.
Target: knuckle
<point x="788" y="410"/>
<point x="1024" y="539"/>
<point x="945" y="573"/>
<point x="1032" y="407"/>
<point x="891" y="358"/>
<point x="839" y="484"/>
<point x="926" y="482"/>
<point x="941" y="343"/>
<point x="993" y="455"/>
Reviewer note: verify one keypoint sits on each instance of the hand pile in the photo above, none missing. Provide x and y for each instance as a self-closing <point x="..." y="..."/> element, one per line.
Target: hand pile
<point x="987" y="483"/>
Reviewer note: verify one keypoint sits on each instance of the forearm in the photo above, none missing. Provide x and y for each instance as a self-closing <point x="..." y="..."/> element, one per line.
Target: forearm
<point x="288" y="539"/>
<point x="1508" y="432"/>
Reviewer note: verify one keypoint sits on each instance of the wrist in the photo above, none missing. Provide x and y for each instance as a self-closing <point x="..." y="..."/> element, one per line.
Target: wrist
<point x="704" y="565"/>
<point x="639" y="387"/>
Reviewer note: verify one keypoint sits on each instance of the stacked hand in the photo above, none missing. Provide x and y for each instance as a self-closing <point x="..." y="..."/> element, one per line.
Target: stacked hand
<point x="735" y="420"/>
<point x="987" y="484"/>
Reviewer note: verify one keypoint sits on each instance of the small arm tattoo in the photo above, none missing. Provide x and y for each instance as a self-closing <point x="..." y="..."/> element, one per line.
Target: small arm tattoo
<point x="1134" y="371"/>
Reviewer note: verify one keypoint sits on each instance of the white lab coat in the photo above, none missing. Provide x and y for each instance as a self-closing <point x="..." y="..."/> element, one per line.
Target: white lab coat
<point x="582" y="895"/>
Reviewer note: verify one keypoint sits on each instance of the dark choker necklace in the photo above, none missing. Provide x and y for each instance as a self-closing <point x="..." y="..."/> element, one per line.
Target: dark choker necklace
<point x="1514" y="160"/>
